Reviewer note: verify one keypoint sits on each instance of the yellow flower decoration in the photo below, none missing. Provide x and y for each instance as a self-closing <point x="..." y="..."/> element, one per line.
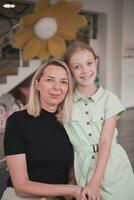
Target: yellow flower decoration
<point x="44" y="32"/>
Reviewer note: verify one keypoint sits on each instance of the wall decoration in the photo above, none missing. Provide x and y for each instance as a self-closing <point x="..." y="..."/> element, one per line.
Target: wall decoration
<point x="128" y="52"/>
<point x="44" y="32"/>
<point x="90" y="30"/>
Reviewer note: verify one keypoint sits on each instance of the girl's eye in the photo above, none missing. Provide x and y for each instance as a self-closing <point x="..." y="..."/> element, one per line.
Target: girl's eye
<point x="89" y="63"/>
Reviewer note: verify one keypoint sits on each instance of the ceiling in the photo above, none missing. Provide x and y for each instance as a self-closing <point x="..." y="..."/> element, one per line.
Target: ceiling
<point x="22" y="7"/>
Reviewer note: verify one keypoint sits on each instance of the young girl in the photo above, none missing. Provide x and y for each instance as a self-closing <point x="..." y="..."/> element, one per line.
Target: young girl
<point x="101" y="164"/>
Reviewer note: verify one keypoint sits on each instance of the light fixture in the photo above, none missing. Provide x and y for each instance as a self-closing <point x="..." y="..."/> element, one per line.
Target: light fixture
<point x="9" y="5"/>
<point x="45" y="28"/>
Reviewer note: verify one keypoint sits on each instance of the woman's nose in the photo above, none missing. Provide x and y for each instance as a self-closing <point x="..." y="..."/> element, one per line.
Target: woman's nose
<point x="56" y="85"/>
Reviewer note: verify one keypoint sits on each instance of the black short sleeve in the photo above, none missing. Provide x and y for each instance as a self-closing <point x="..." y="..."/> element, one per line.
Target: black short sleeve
<point x="13" y="140"/>
<point x="49" y="153"/>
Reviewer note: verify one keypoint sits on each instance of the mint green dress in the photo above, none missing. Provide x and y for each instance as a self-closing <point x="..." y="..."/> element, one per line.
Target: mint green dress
<point x="84" y="131"/>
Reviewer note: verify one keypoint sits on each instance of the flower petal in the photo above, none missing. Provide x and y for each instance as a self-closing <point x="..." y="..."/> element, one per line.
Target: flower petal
<point x="67" y="35"/>
<point x="21" y="37"/>
<point x="64" y="10"/>
<point x="29" y="20"/>
<point x="43" y="53"/>
<point x="73" y="23"/>
<point x="32" y="48"/>
<point x="56" y="46"/>
<point x="41" y="6"/>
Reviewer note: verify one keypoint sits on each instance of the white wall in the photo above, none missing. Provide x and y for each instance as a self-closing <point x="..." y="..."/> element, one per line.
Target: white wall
<point x="128" y="54"/>
<point x="99" y="45"/>
<point x="110" y="15"/>
<point x="116" y="28"/>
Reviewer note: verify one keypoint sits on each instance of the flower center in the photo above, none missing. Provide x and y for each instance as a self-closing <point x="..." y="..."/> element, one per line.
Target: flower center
<point x="45" y="27"/>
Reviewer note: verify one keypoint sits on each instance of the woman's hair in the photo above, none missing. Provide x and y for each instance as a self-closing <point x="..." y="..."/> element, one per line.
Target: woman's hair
<point x="64" y="108"/>
<point x="77" y="46"/>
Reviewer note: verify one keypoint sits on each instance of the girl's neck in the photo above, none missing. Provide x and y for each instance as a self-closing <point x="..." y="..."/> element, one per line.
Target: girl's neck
<point x="88" y="91"/>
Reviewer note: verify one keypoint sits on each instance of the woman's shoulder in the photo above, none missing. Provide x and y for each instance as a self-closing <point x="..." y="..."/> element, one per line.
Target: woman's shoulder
<point x="18" y="114"/>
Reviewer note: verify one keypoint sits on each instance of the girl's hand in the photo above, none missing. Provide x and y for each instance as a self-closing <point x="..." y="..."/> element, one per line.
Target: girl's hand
<point x="91" y="192"/>
<point x="78" y="192"/>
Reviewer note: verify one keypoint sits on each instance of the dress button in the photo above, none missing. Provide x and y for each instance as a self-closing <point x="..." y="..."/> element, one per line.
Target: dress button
<point x="86" y="112"/>
<point x="90" y="134"/>
<point x="88" y="123"/>
<point x="85" y="104"/>
<point x="93" y="157"/>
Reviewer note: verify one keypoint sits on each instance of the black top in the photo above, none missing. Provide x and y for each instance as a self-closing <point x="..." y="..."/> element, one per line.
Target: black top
<point x="43" y="139"/>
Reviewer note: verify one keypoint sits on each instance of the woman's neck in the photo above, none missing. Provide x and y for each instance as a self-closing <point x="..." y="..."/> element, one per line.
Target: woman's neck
<point x="88" y="91"/>
<point x="51" y="109"/>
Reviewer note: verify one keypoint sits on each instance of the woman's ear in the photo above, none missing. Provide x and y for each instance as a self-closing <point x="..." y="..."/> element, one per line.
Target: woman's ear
<point x="37" y="85"/>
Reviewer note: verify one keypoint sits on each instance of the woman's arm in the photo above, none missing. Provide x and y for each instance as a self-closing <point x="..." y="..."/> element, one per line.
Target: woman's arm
<point x="72" y="179"/>
<point x="24" y="187"/>
<point x="93" y="188"/>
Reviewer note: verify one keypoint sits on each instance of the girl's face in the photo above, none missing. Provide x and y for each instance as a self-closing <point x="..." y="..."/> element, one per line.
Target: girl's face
<point x="83" y="66"/>
<point x="53" y="86"/>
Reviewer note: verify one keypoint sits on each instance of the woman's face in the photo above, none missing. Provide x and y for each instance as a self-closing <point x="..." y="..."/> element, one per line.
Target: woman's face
<point x="53" y="87"/>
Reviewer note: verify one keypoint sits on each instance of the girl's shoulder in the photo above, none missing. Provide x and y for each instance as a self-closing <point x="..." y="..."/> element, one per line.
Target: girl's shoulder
<point x="103" y="94"/>
<point x="109" y="94"/>
<point x="110" y="99"/>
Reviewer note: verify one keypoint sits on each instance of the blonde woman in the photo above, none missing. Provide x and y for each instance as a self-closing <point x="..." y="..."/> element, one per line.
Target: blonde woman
<point x="37" y="149"/>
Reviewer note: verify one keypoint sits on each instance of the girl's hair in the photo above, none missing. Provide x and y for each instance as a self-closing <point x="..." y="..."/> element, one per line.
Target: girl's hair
<point x="64" y="108"/>
<point x="77" y="46"/>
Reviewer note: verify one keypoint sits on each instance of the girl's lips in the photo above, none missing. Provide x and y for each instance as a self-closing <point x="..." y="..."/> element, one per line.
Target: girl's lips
<point x="86" y="77"/>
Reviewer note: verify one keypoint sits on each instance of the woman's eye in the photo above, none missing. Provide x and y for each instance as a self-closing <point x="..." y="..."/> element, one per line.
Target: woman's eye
<point x="77" y="67"/>
<point x="49" y="80"/>
<point x="64" y="82"/>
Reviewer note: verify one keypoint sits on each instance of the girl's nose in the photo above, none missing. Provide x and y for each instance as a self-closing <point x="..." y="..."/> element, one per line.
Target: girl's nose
<point x="84" y="69"/>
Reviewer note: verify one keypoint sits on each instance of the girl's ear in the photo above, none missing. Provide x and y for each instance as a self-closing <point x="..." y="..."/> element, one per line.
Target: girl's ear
<point x="97" y="61"/>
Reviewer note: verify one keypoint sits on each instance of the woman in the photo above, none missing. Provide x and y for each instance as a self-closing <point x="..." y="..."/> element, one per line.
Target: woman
<point x="38" y="152"/>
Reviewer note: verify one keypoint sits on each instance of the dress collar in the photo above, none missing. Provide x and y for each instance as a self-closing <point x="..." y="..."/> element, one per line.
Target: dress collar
<point x="95" y="97"/>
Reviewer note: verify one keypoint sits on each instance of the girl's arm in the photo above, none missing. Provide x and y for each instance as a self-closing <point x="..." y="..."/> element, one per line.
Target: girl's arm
<point x="24" y="187"/>
<point x="93" y="188"/>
